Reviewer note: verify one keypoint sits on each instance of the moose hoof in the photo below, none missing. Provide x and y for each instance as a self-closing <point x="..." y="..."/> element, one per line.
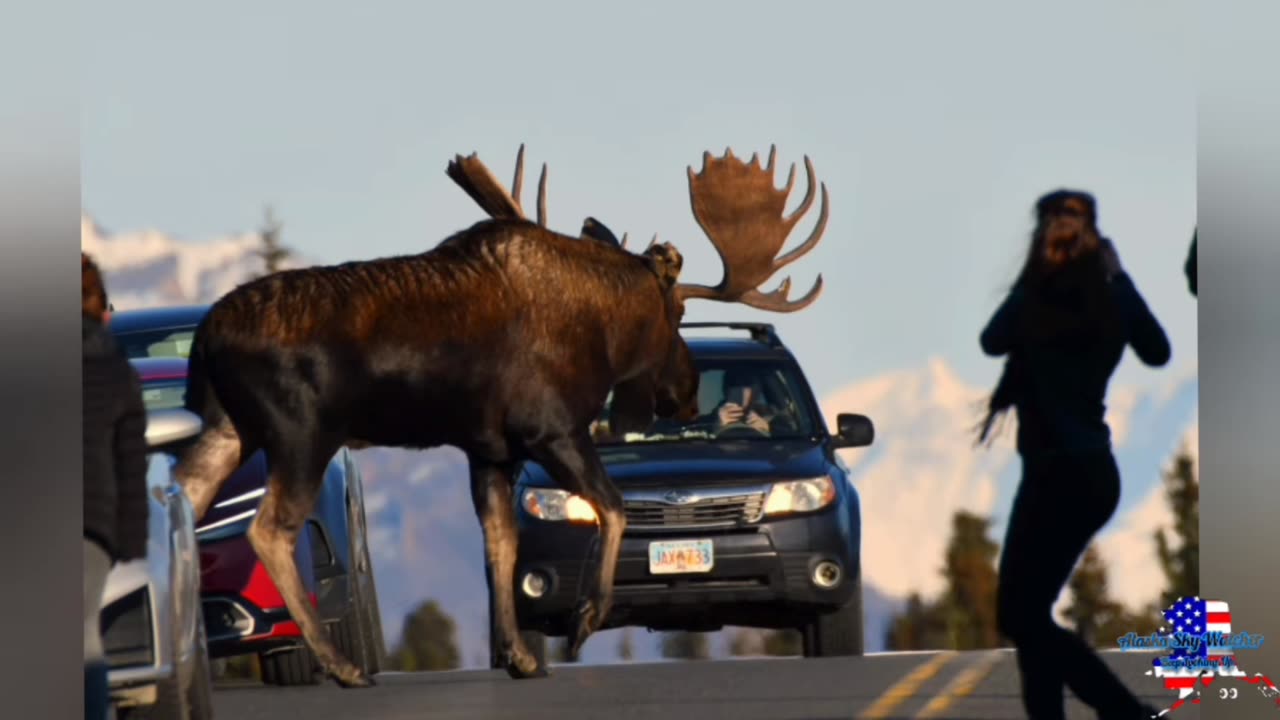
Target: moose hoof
<point x="573" y="652"/>
<point x="526" y="668"/>
<point x="588" y="620"/>
<point x="350" y="676"/>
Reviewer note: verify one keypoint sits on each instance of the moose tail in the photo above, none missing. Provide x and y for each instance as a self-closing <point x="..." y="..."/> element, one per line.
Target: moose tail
<point x="201" y="398"/>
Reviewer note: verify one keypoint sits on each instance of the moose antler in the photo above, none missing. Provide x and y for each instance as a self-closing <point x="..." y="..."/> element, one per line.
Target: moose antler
<point x="623" y="243"/>
<point x="740" y="209"/>
<point x="475" y="178"/>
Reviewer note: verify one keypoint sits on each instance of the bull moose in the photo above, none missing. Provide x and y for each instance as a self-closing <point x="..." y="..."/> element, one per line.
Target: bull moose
<point x="504" y="341"/>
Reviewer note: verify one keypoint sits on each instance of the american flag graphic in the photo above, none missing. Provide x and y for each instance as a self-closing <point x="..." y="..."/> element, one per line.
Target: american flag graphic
<point x="1201" y="619"/>
<point x="1194" y="617"/>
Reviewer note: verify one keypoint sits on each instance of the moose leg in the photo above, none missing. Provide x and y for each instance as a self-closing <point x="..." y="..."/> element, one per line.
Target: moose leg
<point x="208" y="463"/>
<point x="491" y="493"/>
<point x="573" y="463"/>
<point x="291" y="494"/>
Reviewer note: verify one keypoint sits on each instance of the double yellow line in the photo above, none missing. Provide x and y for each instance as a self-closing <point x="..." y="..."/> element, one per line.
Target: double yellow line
<point x="962" y="685"/>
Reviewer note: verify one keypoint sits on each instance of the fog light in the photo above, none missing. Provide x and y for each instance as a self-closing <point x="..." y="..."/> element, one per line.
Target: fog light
<point x="533" y="585"/>
<point x="826" y="575"/>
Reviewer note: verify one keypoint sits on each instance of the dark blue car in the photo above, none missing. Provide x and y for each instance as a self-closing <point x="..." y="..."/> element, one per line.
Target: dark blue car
<point x="744" y="519"/>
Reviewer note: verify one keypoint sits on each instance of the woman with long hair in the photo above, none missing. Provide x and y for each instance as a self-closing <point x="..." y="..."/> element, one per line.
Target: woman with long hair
<point x="1064" y="327"/>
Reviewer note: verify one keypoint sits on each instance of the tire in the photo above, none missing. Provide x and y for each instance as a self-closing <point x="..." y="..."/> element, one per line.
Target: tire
<point x="200" y="688"/>
<point x="837" y="634"/>
<point x="375" y="616"/>
<point x="373" y="610"/>
<point x="358" y="635"/>
<point x="350" y="635"/>
<point x="173" y="701"/>
<point x="295" y="666"/>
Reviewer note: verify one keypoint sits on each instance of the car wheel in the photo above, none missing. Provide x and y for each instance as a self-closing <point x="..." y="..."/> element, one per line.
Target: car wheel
<point x="357" y="635"/>
<point x="295" y="666"/>
<point x="836" y="634"/>
<point x="194" y="702"/>
<point x="373" y="612"/>
<point x="200" y="688"/>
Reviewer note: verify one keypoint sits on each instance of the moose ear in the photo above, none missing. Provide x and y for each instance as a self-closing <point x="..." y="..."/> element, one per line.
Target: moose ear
<point x="665" y="262"/>
<point x="593" y="229"/>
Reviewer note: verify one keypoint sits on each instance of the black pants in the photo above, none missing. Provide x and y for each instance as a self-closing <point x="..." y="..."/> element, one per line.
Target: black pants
<point x="1061" y="503"/>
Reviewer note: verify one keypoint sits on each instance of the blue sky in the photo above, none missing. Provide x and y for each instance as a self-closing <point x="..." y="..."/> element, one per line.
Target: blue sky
<point x="934" y="125"/>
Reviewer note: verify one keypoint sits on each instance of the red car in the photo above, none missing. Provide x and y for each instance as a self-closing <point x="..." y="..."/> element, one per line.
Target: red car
<point x="243" y="609"/>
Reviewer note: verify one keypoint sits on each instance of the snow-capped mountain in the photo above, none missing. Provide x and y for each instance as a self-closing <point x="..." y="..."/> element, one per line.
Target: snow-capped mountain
<point x="147" y="268"/>
<point x="922" y="467"/>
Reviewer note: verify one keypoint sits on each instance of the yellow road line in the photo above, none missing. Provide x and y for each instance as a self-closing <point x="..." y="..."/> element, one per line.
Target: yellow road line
<point x="906" y="687"/>
<point x="963" y="684"/>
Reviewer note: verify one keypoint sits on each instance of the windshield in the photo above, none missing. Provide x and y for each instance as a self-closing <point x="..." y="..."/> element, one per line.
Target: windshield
<point x="164" y="394"/>
<point x="168" y="342"/>
<point x="737" y="400"/>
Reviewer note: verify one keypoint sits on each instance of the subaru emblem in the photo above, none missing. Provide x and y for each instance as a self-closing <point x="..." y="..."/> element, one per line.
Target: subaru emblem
<point x="680" y="497"/>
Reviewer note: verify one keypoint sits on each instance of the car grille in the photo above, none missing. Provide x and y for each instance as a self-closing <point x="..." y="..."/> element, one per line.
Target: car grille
<point x="126" y="630"/>
<point x="718" y="511"/>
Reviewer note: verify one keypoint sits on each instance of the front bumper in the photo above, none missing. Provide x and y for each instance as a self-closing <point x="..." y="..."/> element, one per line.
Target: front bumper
<point x="243" y="609"/>
<point x="762" y="576"/>
<point x="136" y="686"/>
<point x="135" y="663"/>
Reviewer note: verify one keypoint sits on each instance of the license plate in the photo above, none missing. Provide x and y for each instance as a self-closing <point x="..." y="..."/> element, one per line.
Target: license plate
<point x="681" y="556"/>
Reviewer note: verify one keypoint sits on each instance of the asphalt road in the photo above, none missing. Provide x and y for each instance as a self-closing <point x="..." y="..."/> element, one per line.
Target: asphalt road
<point x="915" y="685"/>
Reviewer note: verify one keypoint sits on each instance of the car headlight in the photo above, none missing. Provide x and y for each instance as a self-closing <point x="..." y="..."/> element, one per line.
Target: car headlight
<point x="557" y="506"/>
<point x="800" y="496"/>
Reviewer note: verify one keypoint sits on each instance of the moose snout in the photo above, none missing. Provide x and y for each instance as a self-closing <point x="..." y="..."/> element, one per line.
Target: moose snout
<point x="688" y="412"/>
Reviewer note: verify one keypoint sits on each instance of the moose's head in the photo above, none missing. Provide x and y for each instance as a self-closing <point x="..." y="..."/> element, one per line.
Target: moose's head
<point x="670" y="389"/>
<point x="741" y="211"/>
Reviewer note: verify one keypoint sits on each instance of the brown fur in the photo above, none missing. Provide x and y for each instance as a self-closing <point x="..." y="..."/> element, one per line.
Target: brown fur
<point x="503" y="341"/>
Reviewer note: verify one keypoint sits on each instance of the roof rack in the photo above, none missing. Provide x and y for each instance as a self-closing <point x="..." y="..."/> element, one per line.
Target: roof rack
<point x="760" y="332"/>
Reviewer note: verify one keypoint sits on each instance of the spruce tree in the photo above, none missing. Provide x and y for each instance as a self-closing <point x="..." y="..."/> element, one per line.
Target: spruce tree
<point x="1092" y="610"/>
<point x="428" y="641"/>
<point x="272" y="252"/>
<point x="1181" y="562"/>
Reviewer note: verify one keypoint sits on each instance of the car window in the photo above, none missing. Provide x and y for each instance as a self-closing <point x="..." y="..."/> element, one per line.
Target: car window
<point x="170" y="342"/>
<point x="772" y="392"/>
<point x="164" y="395"/>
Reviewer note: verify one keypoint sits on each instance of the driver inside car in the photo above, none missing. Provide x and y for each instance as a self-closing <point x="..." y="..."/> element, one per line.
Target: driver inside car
<point x="744" y="403"/>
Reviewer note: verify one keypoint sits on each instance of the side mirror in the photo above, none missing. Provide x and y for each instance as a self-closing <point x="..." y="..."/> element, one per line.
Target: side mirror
<point x="171" y="426"/>
<point x="854" y="430"/>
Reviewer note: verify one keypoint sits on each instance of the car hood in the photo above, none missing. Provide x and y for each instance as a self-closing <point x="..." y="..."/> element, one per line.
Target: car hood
<point x="703" y="463"/>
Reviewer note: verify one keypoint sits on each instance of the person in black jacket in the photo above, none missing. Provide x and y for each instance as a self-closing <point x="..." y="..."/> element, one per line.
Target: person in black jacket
<point x="115" y="472"/>
<point x="1063" y="327"/>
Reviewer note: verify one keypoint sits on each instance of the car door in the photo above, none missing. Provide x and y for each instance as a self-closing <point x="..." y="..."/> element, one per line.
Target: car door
<point x="183" y="553"/>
